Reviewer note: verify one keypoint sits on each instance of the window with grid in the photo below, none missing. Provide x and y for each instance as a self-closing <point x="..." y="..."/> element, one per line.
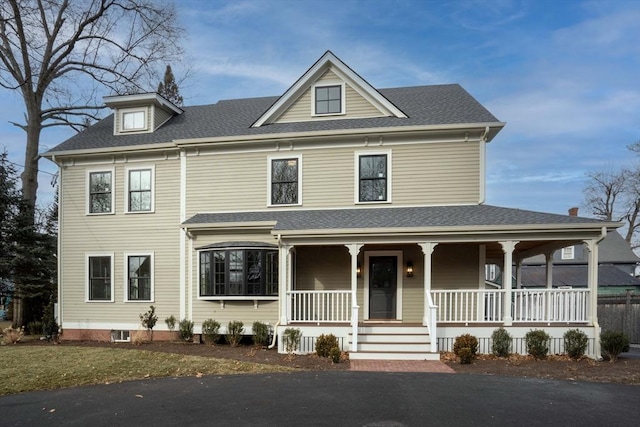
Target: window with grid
<point x="139" y="278"/>
<point x="373" y="178"/>
<point x="140" y="197"/>
<point x="328" y="99"/>
<point x="99" y="278"/>
<point x="101" y="192"/>
<point x="284" y="181"/>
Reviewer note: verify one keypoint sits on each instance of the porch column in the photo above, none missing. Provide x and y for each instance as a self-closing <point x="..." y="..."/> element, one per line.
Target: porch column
<point x="427" y="250"/>
<point x="284" y="282"/>
<point x="548" y="256"/>
<point x="354" y="250"/>
<point x="507" y="274"/>
<point x="519" y="274"/>
<point x="592" y="281"/>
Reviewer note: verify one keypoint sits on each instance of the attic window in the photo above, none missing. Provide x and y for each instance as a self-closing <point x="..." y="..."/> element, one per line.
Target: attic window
<point x="328" y="99"/>
<point x="133" y="121"/>
<point x="568" y="253"/>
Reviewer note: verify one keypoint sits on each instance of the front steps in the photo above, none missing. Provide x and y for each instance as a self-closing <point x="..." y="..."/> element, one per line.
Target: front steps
<point x="387" y="341"/>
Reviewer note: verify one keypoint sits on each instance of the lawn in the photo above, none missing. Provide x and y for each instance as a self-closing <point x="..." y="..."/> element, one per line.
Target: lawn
<point x="28" y="368"/>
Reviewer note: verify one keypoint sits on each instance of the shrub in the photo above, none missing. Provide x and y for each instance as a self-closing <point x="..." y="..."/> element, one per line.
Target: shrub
<point x="466" y="341"/>
<point x="211" y="331"/>
<point x="334" y="354"/>
<point x="171" y="322"/>
<point x="613" y="343"/>
<point x="34" y="328"/>
<point x="260" y="333"/>
<point x="50" y="325"/>
<point x="234" y="332"/>
<point x="149" y="319"/>
<point x="291" y="339"/>
<point x="575" y="343"/>
<point x="501" y="342"/>
<point x="185" y="330"/>
<point x="12" y="336"/>
<point x="537" y="343"/>
<point x="324" y="344"/>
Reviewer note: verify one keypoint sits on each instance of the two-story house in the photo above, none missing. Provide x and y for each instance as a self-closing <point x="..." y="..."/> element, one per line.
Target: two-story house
<point x="333" y="208"/>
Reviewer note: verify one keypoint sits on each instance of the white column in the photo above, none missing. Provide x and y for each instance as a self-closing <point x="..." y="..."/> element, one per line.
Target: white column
<point x="592" y="278"/>
<point x="354" y="250"/>
<point x="518" y="274"/>
<point x="507" y="274"/>
<point x="427" y="250"/>
<point x="548" y="256"/>
<point x="284" y="283"/>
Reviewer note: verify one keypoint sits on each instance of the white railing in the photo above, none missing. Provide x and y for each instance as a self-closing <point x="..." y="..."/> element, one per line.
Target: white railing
<point x="550" y="305"/>
<point x="433" y="319"/>
<point x="469" y="305"/>
<point x="320" y="306"/>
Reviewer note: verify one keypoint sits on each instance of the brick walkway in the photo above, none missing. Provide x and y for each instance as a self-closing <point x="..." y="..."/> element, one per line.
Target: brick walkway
<point x="400" y="366"/>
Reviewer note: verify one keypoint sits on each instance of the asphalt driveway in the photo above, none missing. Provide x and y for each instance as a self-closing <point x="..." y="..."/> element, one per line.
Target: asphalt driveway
<point x="330" y="398"/>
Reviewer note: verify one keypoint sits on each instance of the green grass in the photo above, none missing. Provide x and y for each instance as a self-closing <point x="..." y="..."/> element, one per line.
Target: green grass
<point x="29" y="368"/>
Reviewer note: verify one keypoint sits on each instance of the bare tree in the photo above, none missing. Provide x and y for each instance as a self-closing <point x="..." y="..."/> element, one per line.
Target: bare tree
<point x="61" y="55"/>
<point x="615" y="196"/>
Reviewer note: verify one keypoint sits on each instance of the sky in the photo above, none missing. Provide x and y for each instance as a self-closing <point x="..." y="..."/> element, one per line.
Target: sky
<point x="563" y="75"/>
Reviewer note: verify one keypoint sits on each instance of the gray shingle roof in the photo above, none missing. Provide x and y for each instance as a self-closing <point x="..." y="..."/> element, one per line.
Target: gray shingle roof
<point x="425" y="105"/>
<point x="577" y="276"/>
<point x="435" y="216"/>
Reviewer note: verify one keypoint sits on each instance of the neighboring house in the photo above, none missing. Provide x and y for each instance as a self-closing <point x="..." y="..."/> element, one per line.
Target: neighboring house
<point x="333" y="208"/>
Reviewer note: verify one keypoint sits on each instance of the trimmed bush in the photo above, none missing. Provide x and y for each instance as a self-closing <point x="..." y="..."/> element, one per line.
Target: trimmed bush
<point x="234" y="332"/>
<point x="291" y="339"/>
<point x="211" y="331"/>
<point x="537" y="343"/>
<point x="324" y="344"/>
<point x="185" y="330"/>
<point x="335" y="354"/>
<point x="612" y="344"/>
<point x="260" y="334"/>
<point x="575" y="343"/>
<point x="468" y="342"/>
<point x="501" y="342"/>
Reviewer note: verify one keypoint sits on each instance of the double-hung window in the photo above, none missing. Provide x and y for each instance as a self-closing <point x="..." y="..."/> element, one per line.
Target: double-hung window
<point x="100" y="189"/>
<point x="568" y="252"/>
<point x="99" y="280"/>
<point x="238" y="272"/>
<point x="139" y="280"/>
<point x="373" y="177"/>
<point x="285" y="181"/>
<point x="140" y="190"/>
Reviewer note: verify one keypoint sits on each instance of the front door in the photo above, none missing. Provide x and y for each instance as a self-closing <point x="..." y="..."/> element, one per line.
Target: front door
<point x="383" y="285"/>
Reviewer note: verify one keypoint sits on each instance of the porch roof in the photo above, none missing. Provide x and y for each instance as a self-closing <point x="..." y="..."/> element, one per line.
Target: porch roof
<point x="534" y="276"/>
<point x="472" y="217"/>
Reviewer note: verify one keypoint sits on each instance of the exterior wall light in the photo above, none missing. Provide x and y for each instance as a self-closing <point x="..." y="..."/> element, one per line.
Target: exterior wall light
<point x="409" y="269"/>
<point x="358" y="271"/>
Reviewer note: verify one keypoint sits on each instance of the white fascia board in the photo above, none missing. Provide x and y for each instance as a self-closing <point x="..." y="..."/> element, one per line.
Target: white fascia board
<point x="251" y="225"/>
<point x="107" y="150"/>
<point x="119" y="101"/>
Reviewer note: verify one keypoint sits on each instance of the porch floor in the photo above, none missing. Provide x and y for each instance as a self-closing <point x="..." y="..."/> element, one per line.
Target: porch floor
<point x="432" y="366"/>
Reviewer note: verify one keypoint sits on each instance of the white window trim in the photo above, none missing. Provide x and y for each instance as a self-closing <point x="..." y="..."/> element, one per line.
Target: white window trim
<point x="88" y="191"/>
<point x="86" y="276"/>
<point x="399" y="280"/>
<point x="153" y="188"/>
<point x="570" y="252"/>
<point x="126" y="276"/>
<point x="356" y="178"/>
<point x="343" y="97"/>
<point x="145" y="114"/>
<point x="270" y="159"/>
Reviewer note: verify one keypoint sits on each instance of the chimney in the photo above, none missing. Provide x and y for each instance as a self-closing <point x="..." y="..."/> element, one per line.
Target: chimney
<point x="573" y="211"/>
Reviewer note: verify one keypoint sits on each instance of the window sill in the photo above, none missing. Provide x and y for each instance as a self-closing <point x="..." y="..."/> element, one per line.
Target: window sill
<point x="139" y="212"/>
<point x="100" y="213"/>
<point x="144" y="301"/>
<point x="284" y="205"/>
<point x="96" y="301"/>
<point x="329" y="115"/>
<point x="239" y="298"/>
<point x="374" y="202"/>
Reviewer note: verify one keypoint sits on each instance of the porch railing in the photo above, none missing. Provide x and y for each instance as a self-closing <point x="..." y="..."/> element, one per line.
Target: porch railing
<point x="320" y="306"/>
<point x="487" y="306"/>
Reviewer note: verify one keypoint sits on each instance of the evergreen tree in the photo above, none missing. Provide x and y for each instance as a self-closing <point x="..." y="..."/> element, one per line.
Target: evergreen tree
<point x="10" y="200"/>
<point x="169" y="88"/>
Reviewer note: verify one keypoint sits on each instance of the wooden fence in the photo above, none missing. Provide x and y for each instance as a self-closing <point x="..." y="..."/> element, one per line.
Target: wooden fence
<point x="620" y="313"/>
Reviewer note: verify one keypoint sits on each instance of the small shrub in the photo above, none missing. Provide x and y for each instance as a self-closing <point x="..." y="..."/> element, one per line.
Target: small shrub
<point x="12" y="336"/>
<point x="335" y="354"/>
<point x="211" y="331"/>
<point x="234" y="332"/>
<point x="537" y="343"/>
<point x="466" y="355"/>
<point x="291" y="339"/>
<point x="185" y="330"/>
<point x="501" y="342"/>
<point x="171" y="322"/>
<point x="50" y="327"/>
<point x="466" y="341"/>
<point x="148" y="320"/>
<point x="34" y="328"/>
<point x="324" y="344"/>
<point x="260" y="334"/>
<point x="575" y="343"/>
<point x="137" y="338"/>
<point x="612" y="344"/>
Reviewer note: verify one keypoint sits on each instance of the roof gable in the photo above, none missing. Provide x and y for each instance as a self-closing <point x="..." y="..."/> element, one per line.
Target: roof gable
<point x="328" y="67"/>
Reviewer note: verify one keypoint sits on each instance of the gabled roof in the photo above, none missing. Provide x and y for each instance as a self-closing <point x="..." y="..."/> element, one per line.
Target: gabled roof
<point x="439" y="106"/>
<point x="326" y="62"/>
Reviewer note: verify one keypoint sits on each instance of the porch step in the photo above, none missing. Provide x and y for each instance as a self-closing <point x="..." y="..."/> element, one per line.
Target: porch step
<point x="381" y="355"/>
<point x="393" y="342"/>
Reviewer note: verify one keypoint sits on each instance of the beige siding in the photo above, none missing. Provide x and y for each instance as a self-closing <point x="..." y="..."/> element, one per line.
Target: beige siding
<point x="413" y="287"/>
<point x="322" y="268"/>
<point x="118" y="234"/>
<point x="160" y="116"/>
<point x="456" y="266"/>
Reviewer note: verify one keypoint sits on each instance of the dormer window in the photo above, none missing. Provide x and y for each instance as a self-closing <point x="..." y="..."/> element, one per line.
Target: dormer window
<point x="133" y="120"/>
<point x="328" y="99"/>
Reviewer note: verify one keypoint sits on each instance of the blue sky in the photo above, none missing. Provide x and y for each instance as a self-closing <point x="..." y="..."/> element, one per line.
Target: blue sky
<point x="563" y="75"/>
